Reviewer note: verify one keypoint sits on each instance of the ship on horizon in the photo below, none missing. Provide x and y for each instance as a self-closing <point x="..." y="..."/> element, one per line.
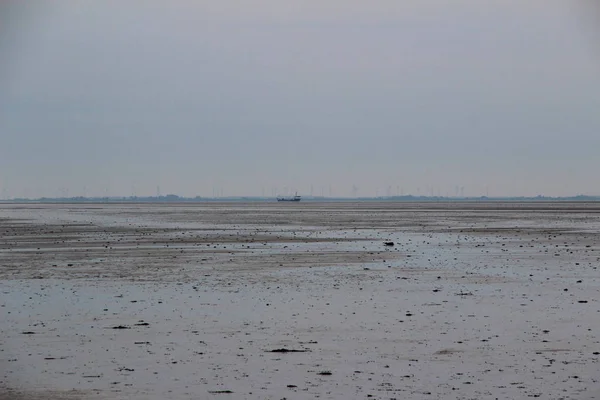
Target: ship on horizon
<point x="295" y="197"/>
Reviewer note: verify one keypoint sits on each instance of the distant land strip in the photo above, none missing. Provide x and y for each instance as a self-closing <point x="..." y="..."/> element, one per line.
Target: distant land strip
<point x="171" y="198"/>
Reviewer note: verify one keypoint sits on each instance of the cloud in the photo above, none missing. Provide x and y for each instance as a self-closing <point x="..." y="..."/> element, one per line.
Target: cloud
<point x="298" y="92"/>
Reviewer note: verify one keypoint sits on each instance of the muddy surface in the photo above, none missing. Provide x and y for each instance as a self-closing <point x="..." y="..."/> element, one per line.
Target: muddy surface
<point x="295" y="301"/>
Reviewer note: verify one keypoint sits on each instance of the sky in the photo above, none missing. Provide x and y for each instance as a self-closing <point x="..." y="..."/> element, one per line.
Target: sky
<point x="340" y="97"/>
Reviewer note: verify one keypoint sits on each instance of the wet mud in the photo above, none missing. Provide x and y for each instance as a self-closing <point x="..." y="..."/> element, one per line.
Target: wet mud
<point x="305" y="300"/>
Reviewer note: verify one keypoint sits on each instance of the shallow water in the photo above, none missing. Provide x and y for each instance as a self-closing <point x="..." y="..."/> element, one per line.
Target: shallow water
<point x="469" y="303"/>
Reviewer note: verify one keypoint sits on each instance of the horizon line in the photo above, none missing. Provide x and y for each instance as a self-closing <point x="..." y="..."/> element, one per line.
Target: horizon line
<point x="177" y="198"/>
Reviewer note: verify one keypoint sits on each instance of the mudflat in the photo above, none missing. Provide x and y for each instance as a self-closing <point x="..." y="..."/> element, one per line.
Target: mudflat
<point x="300" y="300"/>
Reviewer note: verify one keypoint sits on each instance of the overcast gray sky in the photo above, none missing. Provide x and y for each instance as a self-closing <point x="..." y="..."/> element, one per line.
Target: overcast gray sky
<point x="246" y="96"/>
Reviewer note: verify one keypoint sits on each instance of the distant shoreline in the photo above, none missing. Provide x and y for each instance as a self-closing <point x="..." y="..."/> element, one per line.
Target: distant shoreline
<point x="250" y="199"/>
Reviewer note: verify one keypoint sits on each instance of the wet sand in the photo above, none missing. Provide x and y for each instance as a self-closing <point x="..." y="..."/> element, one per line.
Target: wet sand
<point x="296" y="301"/>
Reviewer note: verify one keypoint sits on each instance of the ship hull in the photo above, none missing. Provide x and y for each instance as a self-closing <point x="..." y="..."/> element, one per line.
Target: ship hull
<point x="296" y="197"/>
